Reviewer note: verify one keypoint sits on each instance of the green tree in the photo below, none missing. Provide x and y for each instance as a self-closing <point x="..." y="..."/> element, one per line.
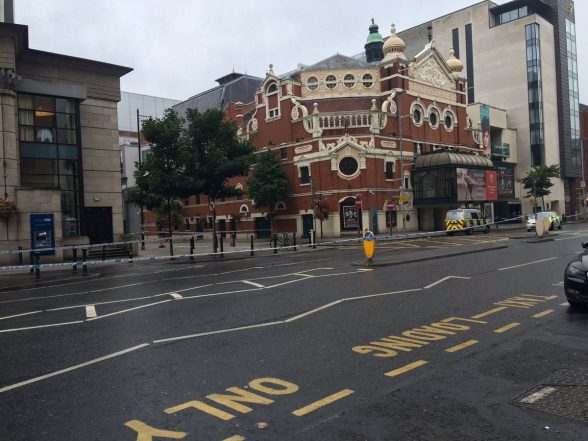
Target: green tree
<point x="268" y="183"/>
<point x="162" y="178"/>
<point x="538" y="181"/>
<point x="216" y="156"/>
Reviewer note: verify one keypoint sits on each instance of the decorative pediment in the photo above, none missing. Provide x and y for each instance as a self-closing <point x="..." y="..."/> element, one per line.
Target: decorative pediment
<point x="431" y="68"/>
<point x="345" y="141"/>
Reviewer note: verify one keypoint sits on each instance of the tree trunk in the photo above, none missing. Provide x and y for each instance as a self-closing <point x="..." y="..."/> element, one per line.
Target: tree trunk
<point x="170" y="229"/>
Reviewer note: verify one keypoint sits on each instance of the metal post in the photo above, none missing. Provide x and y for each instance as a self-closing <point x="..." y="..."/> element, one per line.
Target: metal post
<point x="222" y="255"/>
<point x="192" y="246"/>
<point x="37" y="266"/>
<point x="31" y="262"/>
<point x="275" y="243"/>
<point x="75" y="260"/>
<point x="130" y="253"/>
<point x="140" y="163"/>
<point x="84" y="262"/>
<point x="314" y="239"/>
<point x="294" y="241"/>
<point x="252" y="250"/>
<point x="214" y="242"/>
<point x="402" y="188"/>
<point x="20" y="255"/>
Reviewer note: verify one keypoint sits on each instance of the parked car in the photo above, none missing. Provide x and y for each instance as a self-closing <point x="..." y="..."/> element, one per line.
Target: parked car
<point x="554" y="220"/>
<point x="576" y="279"/>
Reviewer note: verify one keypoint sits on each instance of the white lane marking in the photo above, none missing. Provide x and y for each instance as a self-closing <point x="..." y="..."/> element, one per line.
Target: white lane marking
<point x="134" y="299"/>
<point x="221" y="331"/>
<point x="281" y="322"/>
<point x="127" y="310"/>
<point x="444" y="279"/>
<point x="20" y="315"/>
<point x="303" y="275"/>
<point x="69" y="369"/>
<point x="176" y="296"/>
<point x="91" y="311"/>
<point x="52" y="325"/>
<point x="539" y="395"/>
<point x="249" y="282"/>
<point x="364" y="270"/>
<point x="528" y="263"/>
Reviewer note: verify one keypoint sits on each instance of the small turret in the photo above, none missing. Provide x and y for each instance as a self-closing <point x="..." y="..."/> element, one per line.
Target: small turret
<point x="374" y="44"/>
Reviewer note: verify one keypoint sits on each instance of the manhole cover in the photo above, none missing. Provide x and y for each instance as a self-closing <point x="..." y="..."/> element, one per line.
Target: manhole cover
<point x="565" y="394"/>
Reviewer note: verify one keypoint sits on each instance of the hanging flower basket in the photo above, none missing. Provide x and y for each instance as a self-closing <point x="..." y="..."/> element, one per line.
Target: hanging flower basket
<point x="7" y="208"/>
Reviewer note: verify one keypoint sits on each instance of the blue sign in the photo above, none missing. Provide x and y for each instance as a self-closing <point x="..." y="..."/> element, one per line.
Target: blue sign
<point x="43" y="233"/>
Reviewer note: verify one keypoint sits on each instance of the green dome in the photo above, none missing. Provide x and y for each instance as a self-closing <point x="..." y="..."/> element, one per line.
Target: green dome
<point x="374" y="36"/>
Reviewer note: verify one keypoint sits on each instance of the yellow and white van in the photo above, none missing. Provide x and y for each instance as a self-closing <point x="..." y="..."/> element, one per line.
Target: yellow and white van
<point x="465" y="220"/>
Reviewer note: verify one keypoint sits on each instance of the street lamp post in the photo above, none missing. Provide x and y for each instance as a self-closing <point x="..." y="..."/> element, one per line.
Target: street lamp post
<point x="402" y="188"/>
<point x="140" y="163"/>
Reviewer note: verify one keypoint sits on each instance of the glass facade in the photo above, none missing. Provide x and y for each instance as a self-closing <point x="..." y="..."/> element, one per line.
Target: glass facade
<point x="49" y="151"/>
<point x="514" y="14"/>
<point x="574" y="97"/>
<point x="535" y="94"/>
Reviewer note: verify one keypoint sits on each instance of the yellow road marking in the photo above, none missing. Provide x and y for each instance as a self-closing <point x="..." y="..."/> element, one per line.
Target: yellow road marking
<point x="564" y="304"/>
<point x="321" y="403"/>
<point x="405" y="369"/>
<point x="235" y="438"/>
<point x="507" y="328"/>
<point x="462" y="346"/>
<point x="487" y="313"/>
<point x="543" y="314"/>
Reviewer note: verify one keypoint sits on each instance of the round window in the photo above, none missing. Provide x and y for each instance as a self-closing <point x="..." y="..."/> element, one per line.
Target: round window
<point x="448" y="121"/>
<point x="417" y="115"/>
<point x="312" y="83"/>
<point x="434" y="118"/>
<point x="331" y="81"/>
<point x="367" y="80"/>
<point x="348" y="166"/>
<point x="349" y="81"/>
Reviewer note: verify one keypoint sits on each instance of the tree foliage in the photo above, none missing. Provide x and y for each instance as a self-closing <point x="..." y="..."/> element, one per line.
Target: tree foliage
<point x="268" y="183"/>
<point x="161" y="177"/>
<point x="216" y="154"/>
<point x="538" y="181"/>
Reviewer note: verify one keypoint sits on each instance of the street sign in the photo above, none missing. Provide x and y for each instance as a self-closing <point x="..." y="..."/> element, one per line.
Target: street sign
<point x="390" y="206"/>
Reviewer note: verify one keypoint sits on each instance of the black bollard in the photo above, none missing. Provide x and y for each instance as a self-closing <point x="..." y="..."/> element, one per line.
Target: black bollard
<point x="192" y="246"/>
<point x="130" y="253"/>
<point x="75" y="260"/>
<point x="20" y="255"/>
<point x="31" y="262"/>
<point x="84" y="263"/>
<point x="222" y="255"/>
<point x="252" y="251"/>
<point x="314" y="239"/>
<point x="294" y="241"/>
<point x="37" y="266"/>
<point x="275" y="243"/>
<point x="142" y="240"/>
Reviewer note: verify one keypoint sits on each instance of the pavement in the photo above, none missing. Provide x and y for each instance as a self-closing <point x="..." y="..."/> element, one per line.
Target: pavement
<point x="62" y="273"/>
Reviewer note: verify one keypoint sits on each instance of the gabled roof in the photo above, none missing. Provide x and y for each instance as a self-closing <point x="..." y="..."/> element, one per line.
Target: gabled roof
<point x="337" y="61"/>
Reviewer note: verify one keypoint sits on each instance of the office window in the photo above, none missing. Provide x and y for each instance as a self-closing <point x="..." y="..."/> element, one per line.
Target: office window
<point x="49" y="151"/>
<point x="535" y="93"/>
<point x="284" y="153"/>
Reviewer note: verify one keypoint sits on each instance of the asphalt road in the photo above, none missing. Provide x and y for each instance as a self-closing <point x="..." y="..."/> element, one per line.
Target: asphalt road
<point x="305" y="346"/>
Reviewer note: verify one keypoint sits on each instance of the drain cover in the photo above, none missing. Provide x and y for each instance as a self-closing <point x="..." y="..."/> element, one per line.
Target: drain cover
<point x="565" y="394"/>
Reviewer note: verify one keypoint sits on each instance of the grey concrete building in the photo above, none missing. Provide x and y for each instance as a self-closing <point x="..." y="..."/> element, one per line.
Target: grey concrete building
<point x="520" y="56"/>
<point x="59" y="147"/>
<point x="133" y="109"/>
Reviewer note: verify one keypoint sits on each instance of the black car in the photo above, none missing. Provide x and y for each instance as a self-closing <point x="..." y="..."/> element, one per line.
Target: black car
<point x="576" y="279"/>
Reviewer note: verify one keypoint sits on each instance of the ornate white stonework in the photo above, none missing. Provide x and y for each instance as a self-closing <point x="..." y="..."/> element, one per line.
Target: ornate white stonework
<point x="303" y="149"/>
<point x="431" y="71"/>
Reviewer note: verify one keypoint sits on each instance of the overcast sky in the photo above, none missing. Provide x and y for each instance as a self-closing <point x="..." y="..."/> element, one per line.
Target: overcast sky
<point x="178" y="48"/>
